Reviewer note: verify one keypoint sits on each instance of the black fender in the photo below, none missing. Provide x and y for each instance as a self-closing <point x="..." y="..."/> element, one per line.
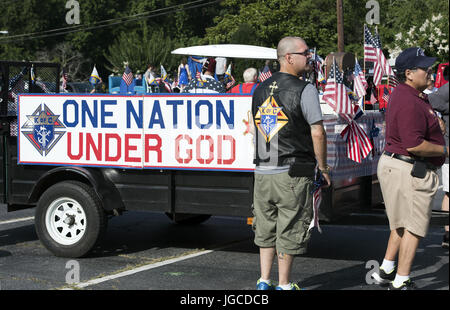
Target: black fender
<point x="102" y="185"/>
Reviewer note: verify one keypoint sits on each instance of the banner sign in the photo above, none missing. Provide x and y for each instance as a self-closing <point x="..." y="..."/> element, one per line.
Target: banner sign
<point x="195" y="132"/>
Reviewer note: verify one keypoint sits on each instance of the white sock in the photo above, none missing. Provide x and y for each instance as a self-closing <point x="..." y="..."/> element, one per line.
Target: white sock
<point x="398" y="281"/>
<point x="388" y="265"/>
<point x="265" y="281"/>
<point x="285" y="286"/>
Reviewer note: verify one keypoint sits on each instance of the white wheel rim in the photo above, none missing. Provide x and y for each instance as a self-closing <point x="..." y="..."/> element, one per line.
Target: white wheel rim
<point x="65" y="221"/>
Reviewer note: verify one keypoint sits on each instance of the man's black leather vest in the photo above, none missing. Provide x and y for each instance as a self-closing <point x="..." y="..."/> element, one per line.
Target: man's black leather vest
<point x="294" y="142"/>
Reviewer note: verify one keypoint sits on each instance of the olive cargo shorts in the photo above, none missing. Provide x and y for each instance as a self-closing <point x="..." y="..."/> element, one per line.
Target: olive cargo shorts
<point x="282" y="209"/>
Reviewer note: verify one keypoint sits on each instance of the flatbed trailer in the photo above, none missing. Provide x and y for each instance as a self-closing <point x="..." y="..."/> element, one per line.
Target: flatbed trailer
<point x="74" y="196"/>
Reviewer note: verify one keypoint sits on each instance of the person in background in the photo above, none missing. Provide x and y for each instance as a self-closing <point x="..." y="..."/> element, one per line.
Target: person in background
<point x="184" y="74"/>
<point x="206" y="83"/>
<point x="150" y="73"/>
<point x="439" y="102"/>
<point x="430" y="86"/>
<point x="99" y="87"/>
<point x="221" y="68"/>
<point x="250" y="82"/>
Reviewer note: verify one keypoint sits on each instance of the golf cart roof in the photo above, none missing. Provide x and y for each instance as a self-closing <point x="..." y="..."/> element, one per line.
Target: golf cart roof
<point x="229" y="51"/>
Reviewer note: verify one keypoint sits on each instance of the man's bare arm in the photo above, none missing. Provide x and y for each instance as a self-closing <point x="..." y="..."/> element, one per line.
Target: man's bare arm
<point x="428" y="149"/>
<point x="319" y="138"/>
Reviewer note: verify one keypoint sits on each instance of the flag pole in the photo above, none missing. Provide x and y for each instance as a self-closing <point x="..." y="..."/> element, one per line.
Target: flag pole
<point x="315" y="68"/>
<point x="364" y="61"/>
<point x="378" y="90"/>
<point x="335" y="88"/>
<point x="362" y="97"/>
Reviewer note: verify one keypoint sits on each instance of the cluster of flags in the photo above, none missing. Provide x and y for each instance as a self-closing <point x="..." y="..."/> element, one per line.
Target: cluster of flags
<point x="343" y="101"/>
<point x="373" y="53"/>
<point x="128" y="78"/>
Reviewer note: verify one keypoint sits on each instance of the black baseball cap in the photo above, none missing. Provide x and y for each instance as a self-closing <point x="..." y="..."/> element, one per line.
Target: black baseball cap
<point x="413" y="57"/>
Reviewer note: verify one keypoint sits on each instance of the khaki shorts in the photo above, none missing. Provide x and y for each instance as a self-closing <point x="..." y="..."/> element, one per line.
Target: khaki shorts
<point x="445" y="177"/>
<point x="282" y="209"/>
<point x="408" y="200"/>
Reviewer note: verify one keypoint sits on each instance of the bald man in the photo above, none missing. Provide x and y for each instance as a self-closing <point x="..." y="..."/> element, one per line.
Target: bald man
<point x="290" y="142"/>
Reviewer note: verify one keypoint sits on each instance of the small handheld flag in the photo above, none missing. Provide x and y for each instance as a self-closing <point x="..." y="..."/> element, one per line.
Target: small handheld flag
<point x="229" y="79"/>
<point x="33" y="75"/>
<point x="94" y="79"/>
<point x="163" y="74"/>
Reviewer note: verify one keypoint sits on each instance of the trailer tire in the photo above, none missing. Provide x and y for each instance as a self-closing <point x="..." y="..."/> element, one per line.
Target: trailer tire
<point x="70" y="219"/>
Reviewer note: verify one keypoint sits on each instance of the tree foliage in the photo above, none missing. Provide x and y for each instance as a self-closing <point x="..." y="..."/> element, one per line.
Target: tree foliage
<point x="140" y="40"/>
<point x="138" y="50"/>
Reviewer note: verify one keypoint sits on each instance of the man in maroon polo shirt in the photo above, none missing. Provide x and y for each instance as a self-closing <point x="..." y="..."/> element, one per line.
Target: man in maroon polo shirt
<point x="415" y="148"/>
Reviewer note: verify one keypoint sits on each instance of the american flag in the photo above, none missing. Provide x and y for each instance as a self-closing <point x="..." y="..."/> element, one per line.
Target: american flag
<point x="64" y="78"/>
<point x="377" y="73"/>
<point x="381" y="58"/>
<point x="265" y="74"/>
<point x="392" y="81"/>
<point x="370" y="53"/>
<point x="359" y="81"/>
<point x="335" y="93"/>
<point x="383" y="67"/>
<point x="127" y="76"/>
<point x="359" y="145"/>
<point x="317" y="199"/>
<point x="373" y="99"/>
<point x="386" y="94"/>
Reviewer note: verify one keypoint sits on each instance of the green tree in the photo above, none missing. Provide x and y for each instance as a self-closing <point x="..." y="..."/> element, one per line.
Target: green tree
<point x="140" y="49"/>
<point x="270" y="20"/>
<point x="21" y="17"/>
<point x="401" y="26"/>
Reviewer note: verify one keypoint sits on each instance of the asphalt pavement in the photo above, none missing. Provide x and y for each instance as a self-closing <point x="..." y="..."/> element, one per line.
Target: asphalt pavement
<point x="146" y="251"/>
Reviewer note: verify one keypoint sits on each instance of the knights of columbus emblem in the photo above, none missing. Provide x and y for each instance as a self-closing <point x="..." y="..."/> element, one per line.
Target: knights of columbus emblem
<point x="270" y="118"/>
<point x="40" y="127"/>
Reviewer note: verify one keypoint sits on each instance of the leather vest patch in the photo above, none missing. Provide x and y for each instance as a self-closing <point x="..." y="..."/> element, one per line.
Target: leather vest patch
<point x="270" y="117"/>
